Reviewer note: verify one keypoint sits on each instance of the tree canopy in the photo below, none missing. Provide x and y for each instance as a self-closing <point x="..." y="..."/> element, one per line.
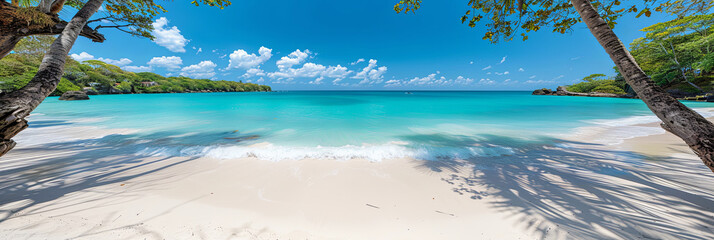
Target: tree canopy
<point x="598" y="82"/>
<point x="677" y="55"/>
<point x="135" y="16"/>
<point x="39" y="17"/>
<point x="506" y="19"/>
<point x="675" y="51"/>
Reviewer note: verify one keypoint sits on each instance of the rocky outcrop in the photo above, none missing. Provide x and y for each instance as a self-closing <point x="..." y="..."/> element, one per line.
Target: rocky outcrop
<point x="543" y="91"/>
<point x="676" y="93"/>
<point x="562" y="91"/>
<point x="74" y="95"/>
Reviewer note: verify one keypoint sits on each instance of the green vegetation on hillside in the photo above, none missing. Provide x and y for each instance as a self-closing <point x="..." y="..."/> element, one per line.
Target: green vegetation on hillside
<point x="17" y="69"/>
<point x="598" y="83"/>
<point x="678" y="55"/>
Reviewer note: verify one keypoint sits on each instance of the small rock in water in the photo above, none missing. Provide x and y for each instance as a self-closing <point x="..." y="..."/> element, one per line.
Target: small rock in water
<point x="74" y="95"/>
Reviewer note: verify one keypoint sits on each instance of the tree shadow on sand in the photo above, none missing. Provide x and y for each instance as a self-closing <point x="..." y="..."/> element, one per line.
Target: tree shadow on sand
<point x="29" y="180"/>
<point x="35" y="174"/>
<point x="576" y="190"/>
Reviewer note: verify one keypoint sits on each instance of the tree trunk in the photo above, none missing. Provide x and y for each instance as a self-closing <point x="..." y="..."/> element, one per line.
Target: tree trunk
<point x="16" y="105"/>
<point x="7" y="43"/>
<point x="44" y="6"/>
<point x="678" y="119"/>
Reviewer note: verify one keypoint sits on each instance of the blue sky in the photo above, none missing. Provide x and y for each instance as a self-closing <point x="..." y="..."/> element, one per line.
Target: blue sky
<point x="363" y="45"/>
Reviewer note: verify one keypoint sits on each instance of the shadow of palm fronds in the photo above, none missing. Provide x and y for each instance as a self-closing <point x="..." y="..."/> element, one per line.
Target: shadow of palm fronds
<point x="583" y="191"/>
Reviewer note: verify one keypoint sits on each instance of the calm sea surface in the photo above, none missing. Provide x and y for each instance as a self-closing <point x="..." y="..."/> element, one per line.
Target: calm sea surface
<point x="339" y="125"/>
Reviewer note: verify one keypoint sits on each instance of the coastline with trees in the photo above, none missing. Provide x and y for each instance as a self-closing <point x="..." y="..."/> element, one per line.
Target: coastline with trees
<point x="97" y="77"/>
<point x="678" y="55"/>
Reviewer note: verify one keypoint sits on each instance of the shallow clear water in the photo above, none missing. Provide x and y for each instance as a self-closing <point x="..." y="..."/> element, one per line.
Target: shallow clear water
<point x="373" y="125"/>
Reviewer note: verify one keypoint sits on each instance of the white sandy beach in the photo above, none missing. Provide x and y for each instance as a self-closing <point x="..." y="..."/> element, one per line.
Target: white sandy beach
<point x="650" y="187"/>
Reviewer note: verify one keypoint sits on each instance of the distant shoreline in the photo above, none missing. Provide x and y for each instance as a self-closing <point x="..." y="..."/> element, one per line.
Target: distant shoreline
<point x="96" y="94"/>
<point x="562" y="91"/>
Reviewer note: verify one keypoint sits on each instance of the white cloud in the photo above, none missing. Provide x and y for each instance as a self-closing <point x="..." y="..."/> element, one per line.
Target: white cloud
<point x="506" y="73"/>
<point x="137" y="68"/>
<point x="294" y="58"/>
<point x="83" y="56"/>
<point x="170" y="38"/>
<point x="172" y="62"/>
<point x="521" y="69"/>
<point x="254" y="72"/>
<point x="392" y="83"/>
<point x="509" y="81"/>
<point x="532" y="77"/>
<point x="371" y="71"/>
<point x="318" y="81"/>
<point x="241" y="59"/>
<point x="575" y="58"/>
<point x="204" y="69"/>
<point x="358" y="61"/>
<point x="503" y="59"/>
<point x="463" y="80"/>
<point x="307" y="70"/>
<point x="287" y="71"/>
<point x="199" y="50"/>
<point x="558" y="77"/>
<point x="337" y="72"/>
<point x="539" y="82"/>
<point x="120" y="62"/>
<point x="337" y="82"/>
<point x="430" y="80"/>
<point x="486" y="68"/>
<point x="472" y="62"/>
<point x="312" y="70"/>
<point x="486" y="81"/>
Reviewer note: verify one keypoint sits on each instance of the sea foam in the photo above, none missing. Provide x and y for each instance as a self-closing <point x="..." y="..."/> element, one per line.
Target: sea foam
<point x="616" y="131"/>
<point x="374" y="153"/>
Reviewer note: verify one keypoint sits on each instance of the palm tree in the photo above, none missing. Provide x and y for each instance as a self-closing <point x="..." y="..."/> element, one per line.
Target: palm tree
<point x="676" y="118"/>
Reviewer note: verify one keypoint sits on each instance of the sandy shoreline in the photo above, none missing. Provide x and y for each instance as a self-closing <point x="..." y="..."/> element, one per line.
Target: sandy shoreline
<point x="645" y="187"/>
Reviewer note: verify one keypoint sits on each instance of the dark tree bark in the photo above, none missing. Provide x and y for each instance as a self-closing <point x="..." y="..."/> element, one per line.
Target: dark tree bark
<point x="7" y="43"/>
<point x="16" y="105"/>
<point x="13" y="28"/>
<point x="676" y="118"/>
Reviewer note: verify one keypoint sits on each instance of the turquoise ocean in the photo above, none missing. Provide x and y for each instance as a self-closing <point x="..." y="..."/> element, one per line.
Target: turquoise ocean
<point x="339" y="124"/>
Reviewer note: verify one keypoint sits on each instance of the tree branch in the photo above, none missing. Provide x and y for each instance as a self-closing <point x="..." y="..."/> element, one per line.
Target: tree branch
<point x="116" y="26"/>
<point x="11" y="24"/>
<point x="96" y="20"/>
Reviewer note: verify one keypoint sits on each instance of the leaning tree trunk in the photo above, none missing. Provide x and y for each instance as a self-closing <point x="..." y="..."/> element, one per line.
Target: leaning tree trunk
<point x="676" y="118"/>
<point x="16" y="105"/>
